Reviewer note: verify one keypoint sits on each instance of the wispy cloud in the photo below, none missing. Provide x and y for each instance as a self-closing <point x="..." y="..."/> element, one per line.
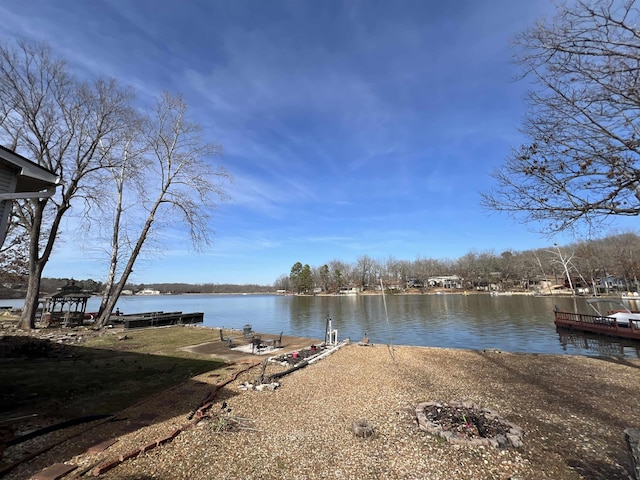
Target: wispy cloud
<point x="350" y="127"/>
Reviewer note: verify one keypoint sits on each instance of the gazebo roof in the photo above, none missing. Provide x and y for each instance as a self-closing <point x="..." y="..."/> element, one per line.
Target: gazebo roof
<point x="81" y="294"/>
<point x="71" y="290"/>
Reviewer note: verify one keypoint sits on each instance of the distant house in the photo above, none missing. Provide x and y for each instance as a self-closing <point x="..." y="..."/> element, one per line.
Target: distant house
<point x="148" y="291"/>
<point x="21" y="178"/>
<point x="542" y="284"/>
<point x="612" y="282"/>
<point x="445" y="281"/>
<point x="348" y="291"/>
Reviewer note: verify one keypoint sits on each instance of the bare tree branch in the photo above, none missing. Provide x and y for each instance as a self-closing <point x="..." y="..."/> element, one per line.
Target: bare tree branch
<point x="177" y="184"/>
<point x="58" y="122"/>
<point x="581" y="162"/>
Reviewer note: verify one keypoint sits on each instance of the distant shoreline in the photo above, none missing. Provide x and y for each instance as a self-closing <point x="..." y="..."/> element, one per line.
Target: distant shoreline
<point x="557" y="294"/>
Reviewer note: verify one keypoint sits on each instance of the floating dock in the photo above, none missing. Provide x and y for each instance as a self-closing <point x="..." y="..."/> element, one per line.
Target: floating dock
<point x="597" y="324"/>
<point x="157" y="319"/>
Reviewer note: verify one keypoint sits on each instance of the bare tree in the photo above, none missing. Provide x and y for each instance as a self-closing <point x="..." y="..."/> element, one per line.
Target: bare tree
<point x="340" y="274"/>
<point x="58" y="122"/>
<point x="580" y="162"/>
<point x="525" y="268"/>
<point x="423" y="268"/>
<point x="282" y="283"/>
<point x="566" y="262"/>
<point x="363" y="269"/>
<point x="393" y="272"/>
<point x="181" y="186"/>
<point x="589" y="256"/>
<point x="625" y="257"/>
<point x="405" y="272"/>
<point x="124" y="186"/>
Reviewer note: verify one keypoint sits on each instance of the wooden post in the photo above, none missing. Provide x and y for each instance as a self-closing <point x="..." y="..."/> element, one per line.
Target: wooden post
<point x="632" y="435"/>
<point x="264" y="367"/>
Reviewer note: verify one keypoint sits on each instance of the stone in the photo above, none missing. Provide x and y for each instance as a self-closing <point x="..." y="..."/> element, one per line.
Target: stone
<point x="515" y="440"/>
<point x="362" y="428"/>
<point x="632" y="436"/>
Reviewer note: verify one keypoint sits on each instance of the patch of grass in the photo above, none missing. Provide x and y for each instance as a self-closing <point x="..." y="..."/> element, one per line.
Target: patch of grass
<point x="104" y="375"/>
<point x="164" y="341"/>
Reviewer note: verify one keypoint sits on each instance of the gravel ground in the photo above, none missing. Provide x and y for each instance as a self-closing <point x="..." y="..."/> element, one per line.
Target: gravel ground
<point x="573" y="411"/>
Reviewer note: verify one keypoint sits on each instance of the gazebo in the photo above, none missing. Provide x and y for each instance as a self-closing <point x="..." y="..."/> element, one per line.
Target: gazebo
<point x="68" y="306"/>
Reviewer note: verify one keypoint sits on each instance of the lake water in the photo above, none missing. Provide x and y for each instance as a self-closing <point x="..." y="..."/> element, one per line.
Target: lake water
<point x="515" y="323"/>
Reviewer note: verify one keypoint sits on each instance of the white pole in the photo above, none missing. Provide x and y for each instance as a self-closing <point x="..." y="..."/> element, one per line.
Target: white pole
<point x="386" y="313"/>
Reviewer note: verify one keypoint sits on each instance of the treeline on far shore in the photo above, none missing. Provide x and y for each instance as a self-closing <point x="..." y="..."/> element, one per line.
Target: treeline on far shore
<point x="49" y="286"/>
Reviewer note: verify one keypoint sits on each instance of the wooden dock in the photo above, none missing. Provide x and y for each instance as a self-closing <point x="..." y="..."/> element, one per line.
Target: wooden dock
<point x="157" y="319"/>
<point x="595" y="324"/>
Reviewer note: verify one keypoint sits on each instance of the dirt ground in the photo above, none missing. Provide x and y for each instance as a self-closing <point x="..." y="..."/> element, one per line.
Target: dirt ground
<point x="573" y="411"/>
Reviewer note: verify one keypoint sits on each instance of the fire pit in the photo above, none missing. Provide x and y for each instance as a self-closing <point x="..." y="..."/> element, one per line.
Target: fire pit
<point x="465" y="423"/>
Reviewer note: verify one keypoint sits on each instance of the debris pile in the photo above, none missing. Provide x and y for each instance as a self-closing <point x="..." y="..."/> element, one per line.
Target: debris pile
<point x="260" y="387"/>
<point x="301" y="355"/>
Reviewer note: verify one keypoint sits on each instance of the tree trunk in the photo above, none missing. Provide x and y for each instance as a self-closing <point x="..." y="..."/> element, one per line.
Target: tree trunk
<point x="111" y="296"/>
<point x="28" y="316"/>
<point x="108" y="303"/>
<point x="36" y="265"/>
<point x="104" y="316"/>
<point x="119" y="179"/>
<point x="106" y="294"/>
<point x="115" y="291"/>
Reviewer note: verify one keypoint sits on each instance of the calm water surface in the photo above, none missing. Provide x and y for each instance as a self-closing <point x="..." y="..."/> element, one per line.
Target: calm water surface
<point x="510" y="323"/>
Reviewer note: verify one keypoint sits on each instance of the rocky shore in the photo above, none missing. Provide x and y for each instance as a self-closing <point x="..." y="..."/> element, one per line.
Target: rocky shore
<point x="572" y="412"/>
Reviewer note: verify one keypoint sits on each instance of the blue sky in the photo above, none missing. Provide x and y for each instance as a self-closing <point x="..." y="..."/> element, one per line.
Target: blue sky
<point x="351" y="128"/>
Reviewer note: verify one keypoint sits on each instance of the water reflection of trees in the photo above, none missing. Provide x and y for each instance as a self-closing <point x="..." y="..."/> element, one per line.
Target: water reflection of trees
<point x="424" y="315"/>
<point x="602" y="345"/>
<point x="512" y="323"/>
<point x="353" y="316"/>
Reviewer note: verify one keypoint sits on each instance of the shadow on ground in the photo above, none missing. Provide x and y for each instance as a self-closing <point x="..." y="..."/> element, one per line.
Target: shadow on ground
<point x="48" y="385"/>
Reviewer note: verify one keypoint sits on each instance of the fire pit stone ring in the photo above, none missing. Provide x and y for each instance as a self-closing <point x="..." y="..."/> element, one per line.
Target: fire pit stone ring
<point x="466" y="423"/>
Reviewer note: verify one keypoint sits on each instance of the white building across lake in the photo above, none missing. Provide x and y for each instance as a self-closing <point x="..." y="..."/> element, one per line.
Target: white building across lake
<point x="148" y="291"/>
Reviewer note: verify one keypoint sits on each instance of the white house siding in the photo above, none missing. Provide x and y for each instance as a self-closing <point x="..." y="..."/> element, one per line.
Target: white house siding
<point x="7" y="185"/>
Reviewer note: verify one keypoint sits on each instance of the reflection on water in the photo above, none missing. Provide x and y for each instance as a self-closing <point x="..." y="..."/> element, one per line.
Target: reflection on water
<point x="575" y="342"/>
<point x="515" y="323"/>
